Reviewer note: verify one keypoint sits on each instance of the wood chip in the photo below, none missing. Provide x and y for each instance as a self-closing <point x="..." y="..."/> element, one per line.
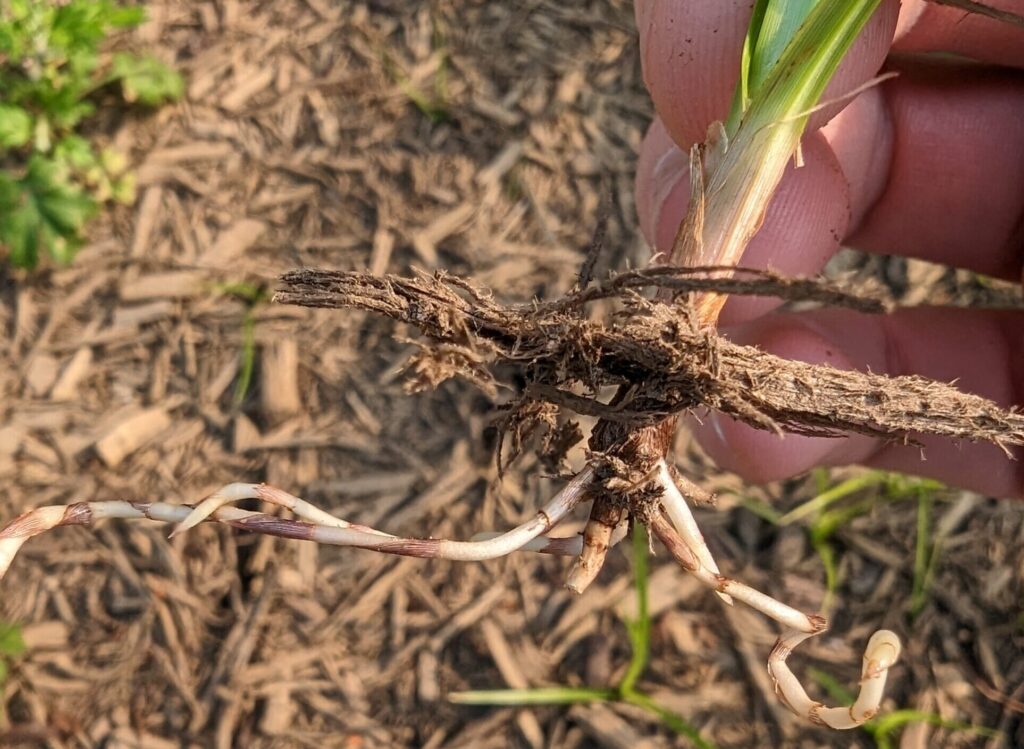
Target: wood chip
<point x="74" y="373"/>
<point x="146" y="220"/>
<point x="126" y="737"/>
<point x="609" y="730"/>
<point x="917" y="735"/>
<point x="425" y="241"/>
<point x="46" y="635"/>
<point x="508" y="665"/>
<point x="279" y="711"/>
<point x="950" y="679"/>
<point x="233" y="242"/>
<point x="246" y="434"/>
<point x="279" y="387"/>
<point x="468" y="616"/>
<point x="150" y="31"/>
<point x="383" y="244"/>
<point x="427" y="687"/>
<point x="502" y="655"/>
<point x="41" y="374"/>
<point x="126" y="318"/>
<point x="160" y="174"/>
<point x="248" y="83"/>
<point x="173" y="285"/>
<point x="131" y="434"/>
<point x="195" y="151"/>
<point x="326" y="122"/>
<point x="570" y="86"/>
<point x="11" y="436"/>
<point x="501" y="164"/>
<point x="529" y="726"/>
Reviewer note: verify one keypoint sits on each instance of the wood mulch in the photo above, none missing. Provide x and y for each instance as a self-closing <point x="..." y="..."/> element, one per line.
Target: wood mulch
<point x="480" y="138"/>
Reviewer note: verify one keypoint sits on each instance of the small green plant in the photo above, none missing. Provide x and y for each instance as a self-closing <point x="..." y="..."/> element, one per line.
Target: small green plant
<point x="52" y="69"/>
<point x="836" y="505"/>
<point x="433" y="104"/>
<point x="627" y="691"/>
<point x="884" y="729"/>
<point x="252" y="295"/>
<point x="12" y="644"/>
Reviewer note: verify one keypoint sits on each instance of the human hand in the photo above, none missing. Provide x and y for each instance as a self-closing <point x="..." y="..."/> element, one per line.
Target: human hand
<point x="929" y="164"/>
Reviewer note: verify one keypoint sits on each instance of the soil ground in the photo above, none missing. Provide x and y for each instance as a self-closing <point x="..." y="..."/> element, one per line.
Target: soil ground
<point x="475" y="137"/>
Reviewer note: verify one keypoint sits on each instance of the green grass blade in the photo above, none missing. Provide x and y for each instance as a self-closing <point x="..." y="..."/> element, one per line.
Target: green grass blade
<point x="882" y="728"/>
<point x="922" y="548"/>
<point x="540" y="696"/>
<point x="12" y="642"/>
<point x="902" y="486"/>
<point x="640" y="629"/>
<point x="827" y="554"/>
<point x="761" y="144"/>
<point x="741" y="96"/>
<point x="833" y="495"/>
<point x="248" y="358"/>
<point x="780" y="21"/>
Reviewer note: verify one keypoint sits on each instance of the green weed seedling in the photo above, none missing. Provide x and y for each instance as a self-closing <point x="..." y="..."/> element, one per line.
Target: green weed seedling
<point x="253" y="295"/>
<point x="53" y="71"/>
<point x="639" y="631"/>
<point x="432" y="104"/>
<point x="12" y="644"/>
<point x="834" y="506"/>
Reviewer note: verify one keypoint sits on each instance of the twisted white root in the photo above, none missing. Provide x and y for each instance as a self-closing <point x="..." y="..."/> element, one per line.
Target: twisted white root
<point x="317" y="525"/>
<point x="882" y="650"/>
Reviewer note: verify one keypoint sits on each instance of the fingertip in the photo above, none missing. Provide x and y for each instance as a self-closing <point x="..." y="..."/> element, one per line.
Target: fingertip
<point x="981" y="467"/>
<point x="690" y="54"/>
<point x="758" y="456"/>
<point x="950" y="190"/>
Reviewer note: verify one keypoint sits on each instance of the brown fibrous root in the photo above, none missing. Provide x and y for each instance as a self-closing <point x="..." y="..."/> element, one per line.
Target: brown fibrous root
<point x="657" y="349"/>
